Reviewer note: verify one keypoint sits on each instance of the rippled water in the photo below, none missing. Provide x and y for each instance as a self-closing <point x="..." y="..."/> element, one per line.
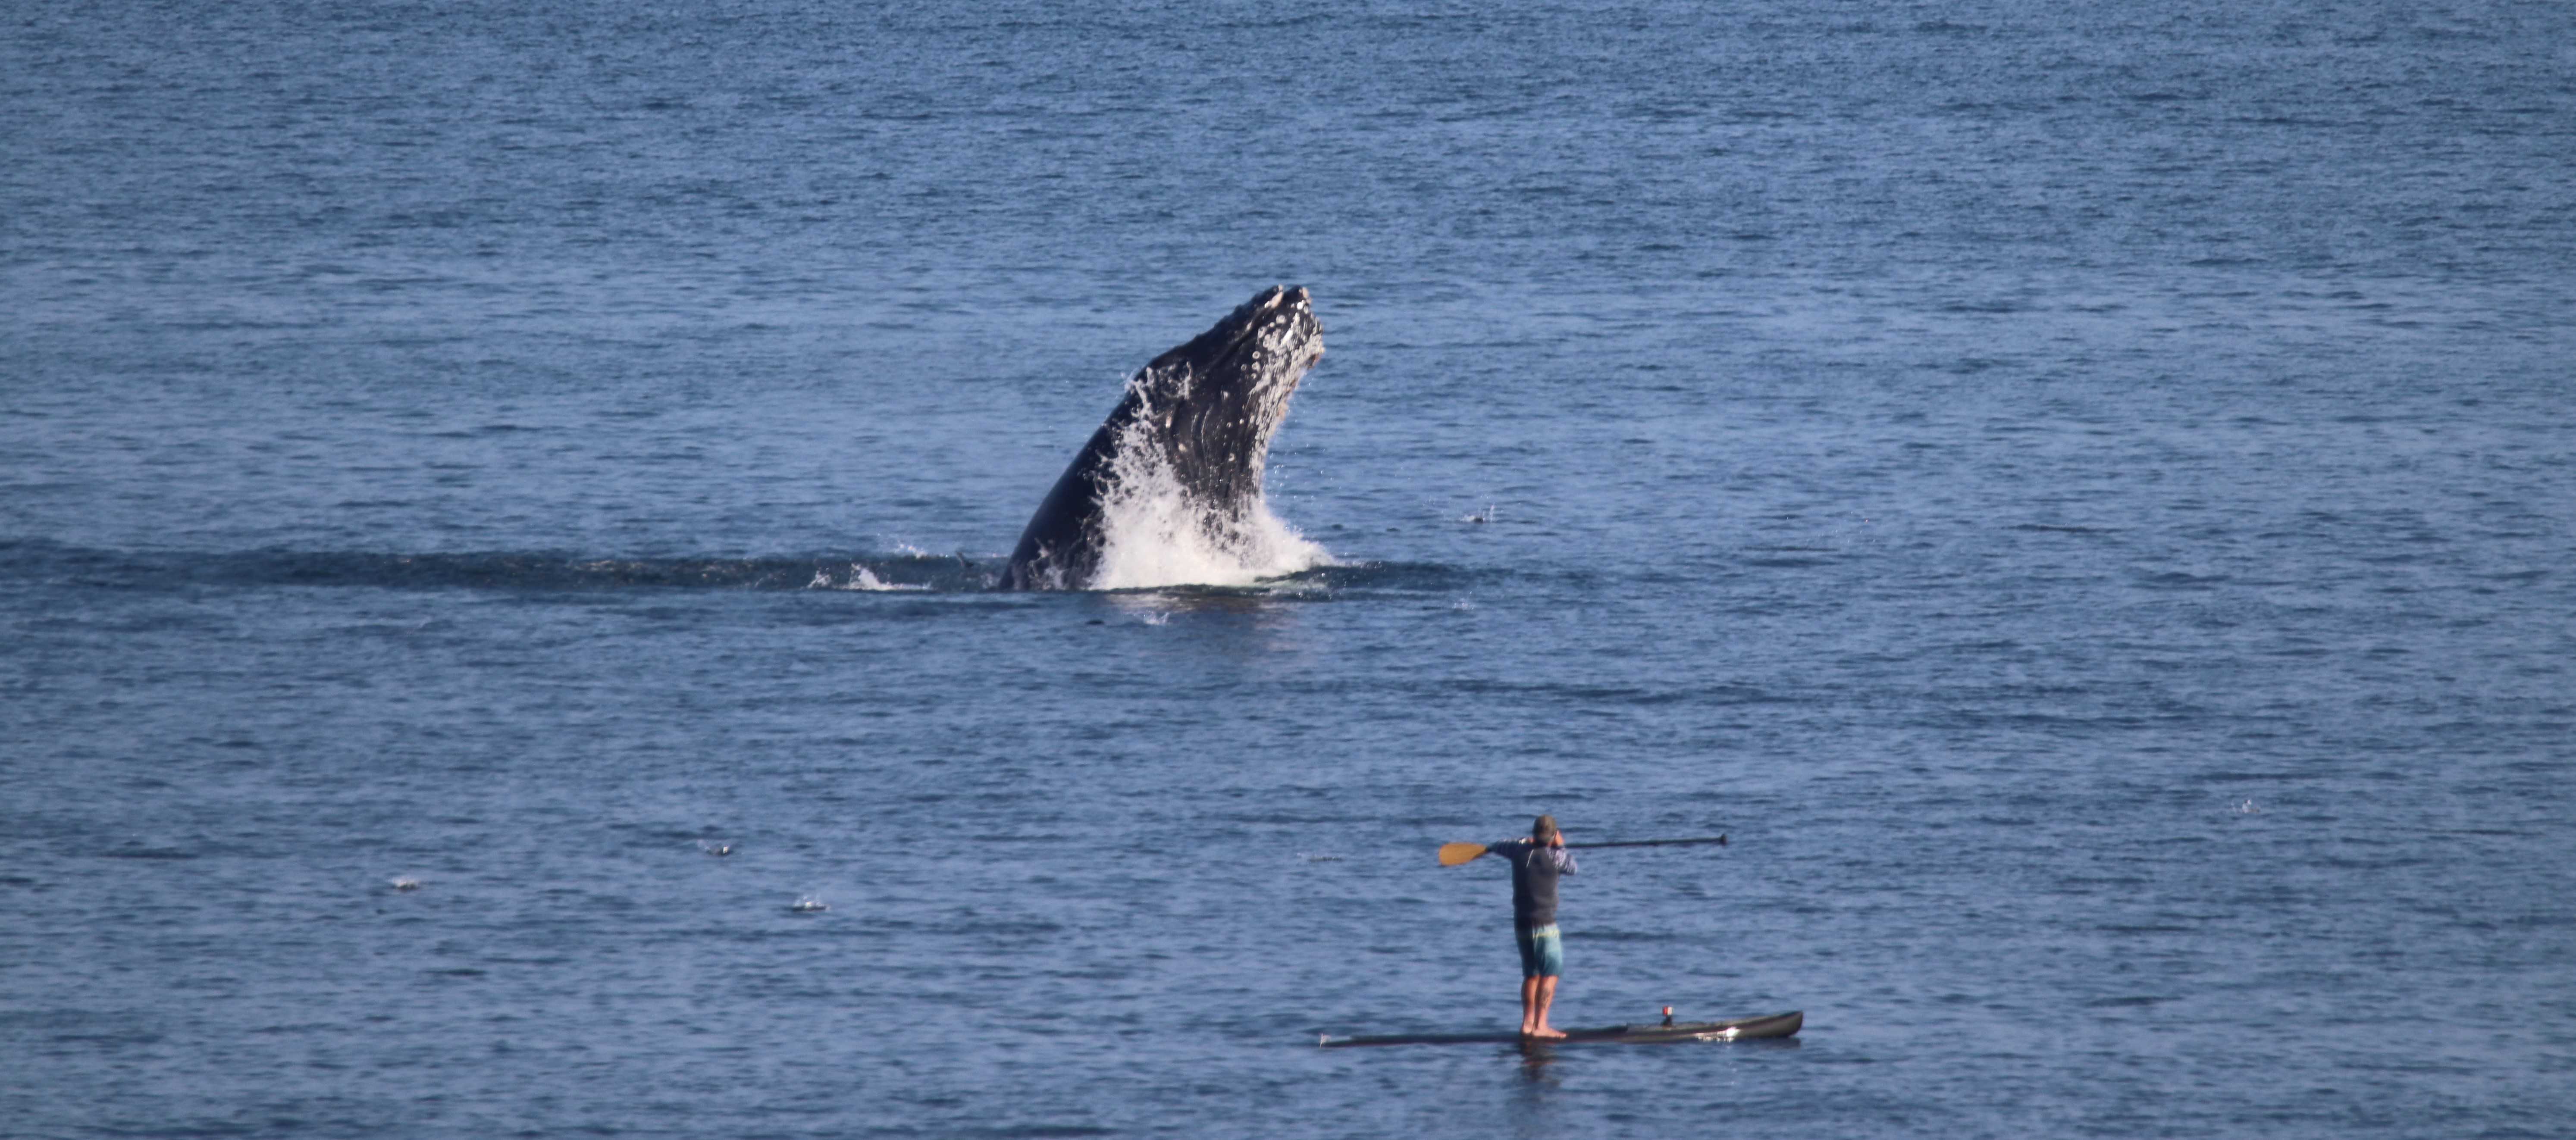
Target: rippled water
<point x="2082" y="499"/>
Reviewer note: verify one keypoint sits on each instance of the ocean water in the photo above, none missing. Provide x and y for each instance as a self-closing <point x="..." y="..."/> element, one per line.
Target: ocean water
<point x="2083" y="497"/>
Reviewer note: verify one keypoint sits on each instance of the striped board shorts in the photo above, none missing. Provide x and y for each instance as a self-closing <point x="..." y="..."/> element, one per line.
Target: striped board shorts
<point x="1542" y="951"/>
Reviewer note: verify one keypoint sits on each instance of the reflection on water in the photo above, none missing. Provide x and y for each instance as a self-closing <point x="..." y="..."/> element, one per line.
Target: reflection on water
<point x="1536" y="1058"/>
<point x="1532" y="1109"/>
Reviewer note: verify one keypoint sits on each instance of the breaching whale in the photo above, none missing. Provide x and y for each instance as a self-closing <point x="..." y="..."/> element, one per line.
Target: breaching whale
<point x="1194" y="424"/>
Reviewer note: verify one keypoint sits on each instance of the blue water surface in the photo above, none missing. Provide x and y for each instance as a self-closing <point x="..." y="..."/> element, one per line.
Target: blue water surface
<point x="2081" y="495"/>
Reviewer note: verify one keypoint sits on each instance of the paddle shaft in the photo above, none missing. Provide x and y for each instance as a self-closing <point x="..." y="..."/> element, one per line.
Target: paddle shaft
<point x="1455" y="854"/>
<point x="1717" y="839"/>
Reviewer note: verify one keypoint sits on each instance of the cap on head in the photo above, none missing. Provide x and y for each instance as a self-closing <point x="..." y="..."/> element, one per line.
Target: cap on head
<point x="1543" y="829"/>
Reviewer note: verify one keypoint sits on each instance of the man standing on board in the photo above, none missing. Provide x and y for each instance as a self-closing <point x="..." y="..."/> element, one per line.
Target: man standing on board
<point x="1537" y="859"/>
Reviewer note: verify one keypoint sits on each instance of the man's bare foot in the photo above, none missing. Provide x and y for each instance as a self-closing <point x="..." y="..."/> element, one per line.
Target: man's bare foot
<point x="1544" y="1033"/>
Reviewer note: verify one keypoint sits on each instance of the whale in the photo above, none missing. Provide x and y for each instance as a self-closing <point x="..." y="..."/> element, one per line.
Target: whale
<point x="1193" y="427"/>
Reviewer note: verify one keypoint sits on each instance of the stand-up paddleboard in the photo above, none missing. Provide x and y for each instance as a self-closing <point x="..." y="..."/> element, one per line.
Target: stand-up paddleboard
<point x="1651" y="1033"/>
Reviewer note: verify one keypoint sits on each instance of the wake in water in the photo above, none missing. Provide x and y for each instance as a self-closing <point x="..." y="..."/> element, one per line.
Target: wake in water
<point x="542" y="572"/>
<point x="910" y="574"/>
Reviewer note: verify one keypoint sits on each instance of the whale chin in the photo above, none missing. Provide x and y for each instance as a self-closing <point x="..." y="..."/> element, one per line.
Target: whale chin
<point x="1172" y="479"/>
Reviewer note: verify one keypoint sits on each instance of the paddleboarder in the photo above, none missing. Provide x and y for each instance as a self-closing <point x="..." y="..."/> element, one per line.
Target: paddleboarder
<point x="1537" y="860"/>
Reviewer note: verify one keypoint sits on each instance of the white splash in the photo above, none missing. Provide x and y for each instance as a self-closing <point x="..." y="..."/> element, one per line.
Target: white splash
<point x="861" y="578"/>
<point x="1154" y="533"/>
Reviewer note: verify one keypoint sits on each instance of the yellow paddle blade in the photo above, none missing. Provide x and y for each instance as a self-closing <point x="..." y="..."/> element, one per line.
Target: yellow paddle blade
<point x="1452" y="854"/>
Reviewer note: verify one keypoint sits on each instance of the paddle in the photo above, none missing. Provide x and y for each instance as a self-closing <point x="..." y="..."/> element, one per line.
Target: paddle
<point x="1453" y="854"/>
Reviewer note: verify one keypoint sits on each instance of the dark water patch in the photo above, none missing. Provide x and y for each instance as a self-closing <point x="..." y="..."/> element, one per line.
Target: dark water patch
<point x="2355" y="863"/>
<point x="294" y="1028"/>
<point x="1032" y="1131"/>
<point x="2059" y="723"/>
<point x="109" y="1040"/>
<point x="149" y="854"/>
<point x="997" y="928"/>
<point x="1721" y="694"/>
<point x="2178" y="580"/>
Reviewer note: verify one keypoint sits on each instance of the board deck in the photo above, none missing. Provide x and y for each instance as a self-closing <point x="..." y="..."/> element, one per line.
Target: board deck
<point x="1652" y="1033"/>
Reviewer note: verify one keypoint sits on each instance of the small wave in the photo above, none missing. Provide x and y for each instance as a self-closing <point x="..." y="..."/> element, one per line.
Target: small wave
<point x="859" y="578"/>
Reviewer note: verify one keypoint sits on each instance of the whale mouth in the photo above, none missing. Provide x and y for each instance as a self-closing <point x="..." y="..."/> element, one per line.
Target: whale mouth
<point x="1169" y="490"/>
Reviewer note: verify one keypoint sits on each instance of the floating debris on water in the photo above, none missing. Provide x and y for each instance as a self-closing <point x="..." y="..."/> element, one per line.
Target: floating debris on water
<point x="718" y="849"/>
<point x="406" y="883"/>
<point x="807" y="904"/>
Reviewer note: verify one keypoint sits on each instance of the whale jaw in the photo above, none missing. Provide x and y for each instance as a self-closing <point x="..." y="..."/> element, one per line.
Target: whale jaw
<point x="1178" y="463"/>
